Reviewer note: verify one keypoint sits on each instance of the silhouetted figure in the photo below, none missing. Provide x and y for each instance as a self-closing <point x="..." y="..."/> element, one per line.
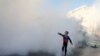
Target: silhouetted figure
<point x="65" y="41"/>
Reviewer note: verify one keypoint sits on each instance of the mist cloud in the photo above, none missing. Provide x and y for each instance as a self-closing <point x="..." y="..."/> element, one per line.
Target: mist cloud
<point x="29" y="26"/>
<point x="88" y="17"/>
<point x="33" y="25"/>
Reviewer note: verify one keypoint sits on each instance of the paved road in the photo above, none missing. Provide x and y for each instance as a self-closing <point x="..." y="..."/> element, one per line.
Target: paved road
<point x="91" y="52"/>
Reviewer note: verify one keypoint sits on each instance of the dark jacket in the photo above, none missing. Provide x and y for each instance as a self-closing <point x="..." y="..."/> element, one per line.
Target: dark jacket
<point x="65" y="38"/>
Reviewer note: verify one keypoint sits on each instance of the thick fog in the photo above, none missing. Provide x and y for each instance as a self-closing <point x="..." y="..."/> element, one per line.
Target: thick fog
<point x="88" y="16"/>
<point x="32" y="25"/>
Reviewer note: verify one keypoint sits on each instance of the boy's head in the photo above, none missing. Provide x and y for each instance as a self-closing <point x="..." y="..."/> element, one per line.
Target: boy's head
<point x="66" y="32"/>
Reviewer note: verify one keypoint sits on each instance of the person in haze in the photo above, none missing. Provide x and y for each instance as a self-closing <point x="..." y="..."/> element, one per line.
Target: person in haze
<point x="65" y="41"/>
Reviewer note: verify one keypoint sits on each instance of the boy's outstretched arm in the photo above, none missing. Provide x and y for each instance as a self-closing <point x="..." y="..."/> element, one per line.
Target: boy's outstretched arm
<point x="70" y="40"/>
<point x="60" y="34"/>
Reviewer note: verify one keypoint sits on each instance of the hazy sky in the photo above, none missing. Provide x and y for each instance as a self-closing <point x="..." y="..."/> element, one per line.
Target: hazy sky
<point x="70" y="4"/>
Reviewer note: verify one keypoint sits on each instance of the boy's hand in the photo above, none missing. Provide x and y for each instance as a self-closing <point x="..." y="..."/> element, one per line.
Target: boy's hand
<point x="59" y="33"/>
<point x="71" y="43"/>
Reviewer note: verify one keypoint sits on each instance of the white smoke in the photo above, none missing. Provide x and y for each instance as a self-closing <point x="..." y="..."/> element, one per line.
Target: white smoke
<point x="88" y="17"/>
<point x="27" y="25"/>
<point x="32" y="25"/>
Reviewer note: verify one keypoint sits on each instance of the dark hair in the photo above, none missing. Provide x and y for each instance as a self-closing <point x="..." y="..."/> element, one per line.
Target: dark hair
<point x="66" y="32"/>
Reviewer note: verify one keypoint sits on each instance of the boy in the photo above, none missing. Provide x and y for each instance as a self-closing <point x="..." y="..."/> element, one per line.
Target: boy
<point x="65" y="41"/>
